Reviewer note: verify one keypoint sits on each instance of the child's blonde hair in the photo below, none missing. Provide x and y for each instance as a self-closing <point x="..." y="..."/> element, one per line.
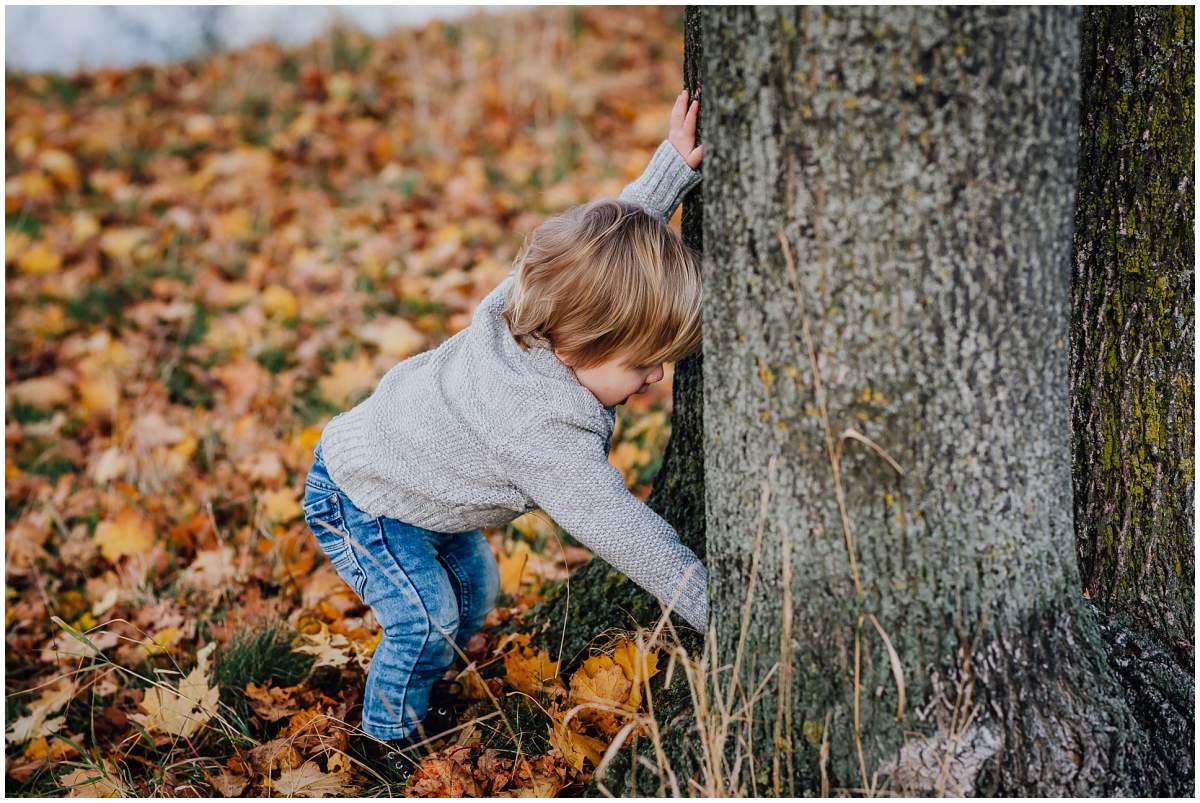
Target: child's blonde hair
<point x="607" y="277"/>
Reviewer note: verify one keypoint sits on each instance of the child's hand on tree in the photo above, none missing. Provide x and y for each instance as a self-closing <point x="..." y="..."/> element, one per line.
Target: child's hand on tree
<point x="683" y="130"/>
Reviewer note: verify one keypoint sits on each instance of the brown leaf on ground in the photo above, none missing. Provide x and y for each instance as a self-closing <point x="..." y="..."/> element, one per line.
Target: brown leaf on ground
<point x="444" y="774"/>
<point x="228" y="784"/>
<point x="275" y="754"/>
<point x="272" y="703"/>
<point x="308" y="780"/>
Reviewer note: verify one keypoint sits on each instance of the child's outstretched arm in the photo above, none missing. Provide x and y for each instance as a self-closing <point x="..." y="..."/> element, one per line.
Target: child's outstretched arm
<point x="672" y="171"/>
<point x="564" y="469"/>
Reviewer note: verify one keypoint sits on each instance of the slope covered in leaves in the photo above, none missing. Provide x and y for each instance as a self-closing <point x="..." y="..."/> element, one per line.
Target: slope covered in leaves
<point x="204" y="262"/>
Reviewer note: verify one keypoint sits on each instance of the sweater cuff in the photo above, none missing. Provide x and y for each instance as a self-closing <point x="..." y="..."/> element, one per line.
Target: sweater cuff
<point x="692" y="601"/>
<point x="662" y="185"/>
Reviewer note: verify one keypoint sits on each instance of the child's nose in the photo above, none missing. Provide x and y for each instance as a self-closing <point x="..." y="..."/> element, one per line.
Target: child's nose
<point x="655" y="375"/>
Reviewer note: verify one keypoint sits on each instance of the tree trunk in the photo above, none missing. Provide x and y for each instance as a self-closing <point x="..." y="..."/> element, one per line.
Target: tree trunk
<point x="1132" y="335"/>
<point x="888" y="230"/>
<point x="1132" y="370"/>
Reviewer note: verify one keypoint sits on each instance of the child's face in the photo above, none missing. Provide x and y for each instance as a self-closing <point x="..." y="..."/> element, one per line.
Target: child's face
<point x="613" y="382"/>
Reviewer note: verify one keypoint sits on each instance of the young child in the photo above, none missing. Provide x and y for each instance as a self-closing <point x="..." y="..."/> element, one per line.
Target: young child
<point x="513" y="413"/>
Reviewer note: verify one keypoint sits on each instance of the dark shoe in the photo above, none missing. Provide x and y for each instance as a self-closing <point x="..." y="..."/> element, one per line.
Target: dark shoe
<point x="445" y="706"/>
<point x="394" y="759"/>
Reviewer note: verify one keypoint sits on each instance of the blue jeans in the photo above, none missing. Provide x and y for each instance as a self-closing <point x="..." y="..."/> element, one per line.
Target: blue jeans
<point x="427" y="589"/>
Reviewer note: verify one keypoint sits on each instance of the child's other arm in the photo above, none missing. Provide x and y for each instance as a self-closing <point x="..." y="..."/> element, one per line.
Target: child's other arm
<point x="575" y="484"/>
<point x="672" y="171"/>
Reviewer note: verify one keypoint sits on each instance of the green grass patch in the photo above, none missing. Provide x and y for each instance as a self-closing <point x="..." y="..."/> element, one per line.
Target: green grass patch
<point x="188" y="384"/>
<point x="262" y="656"/>
<point x="25" y="223"/>
<point x="273" y="359"/>
<point x="40" y="456"/>
<point x="24" y="413"/>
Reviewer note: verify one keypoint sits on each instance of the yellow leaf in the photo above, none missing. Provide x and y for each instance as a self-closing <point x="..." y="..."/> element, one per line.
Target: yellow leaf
<point x="627" y="457"/>
<point x="232" y="225"/>
<point x="474" y="687"/>
<point x="119" y="243"/>
<point x="262" y="466"/>
<point x="530" y="672"/>
<point x="346" y="378"/>
<point x="639" y="666"/>
<point x="308" y="438"/>
<point x="128" y="533"/>
<point x="15" y="243"/>
<point x="199" y="126"/>
<point x="39" y="260"/>
<point x="60" y="165"/>
<point x="573" y="745"/>
<point x="600" y="680"/>
<point x="512" y="567"/>
<point x="279" y="302"/>
<point x="182" y="452"/>
<point x="243" y="379"/>
<point x="105" y="602"/>
<point x="161" y="641"/>
<point x="49" y="321"/>
<point x="281" y="506"/>
<point x="83" y="227"/>
<point x="100" y="394"/>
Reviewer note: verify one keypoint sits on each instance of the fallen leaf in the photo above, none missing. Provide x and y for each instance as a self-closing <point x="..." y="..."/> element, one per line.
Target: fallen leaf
<point x="211" y="570"/>
<point x="271" y="702"/>
<point x="512" y="567"/>
<point x="228" y="784"/>
<point x="331" y="649"/>
<point x="181" y="712"/>
<point x="279" y="302"/>
<point x="571" y="744"/>
<point x="102" y="781"/>
<point x="443" y="775"/>
<point x="308" y="780"/>
<point x="395" y="337"/>
<point x="38" y="722"/>
<point x="639" y="667"/>
<point x="530" y="671"/>
<point x="347" y="378"/>
<point x="127" y="533"/>
<point x="39" y="260"/>
<point x="281" y="506"/>
<point x="42" y="391"/>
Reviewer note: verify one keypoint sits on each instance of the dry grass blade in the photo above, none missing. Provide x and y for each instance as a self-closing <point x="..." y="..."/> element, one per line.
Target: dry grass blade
<point x="748" y="605"/>
<point x="851" y="432"/>
<point x="897" y="669"/>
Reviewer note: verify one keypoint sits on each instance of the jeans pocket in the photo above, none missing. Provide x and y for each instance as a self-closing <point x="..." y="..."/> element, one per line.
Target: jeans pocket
<point x="323" y="513"/>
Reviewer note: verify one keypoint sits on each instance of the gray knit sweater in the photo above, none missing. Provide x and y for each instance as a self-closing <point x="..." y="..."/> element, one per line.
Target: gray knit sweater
<point x="478" y="431"/>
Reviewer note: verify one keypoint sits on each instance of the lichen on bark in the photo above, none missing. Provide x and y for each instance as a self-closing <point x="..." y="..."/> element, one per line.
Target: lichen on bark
<point x="1133" y="319"/>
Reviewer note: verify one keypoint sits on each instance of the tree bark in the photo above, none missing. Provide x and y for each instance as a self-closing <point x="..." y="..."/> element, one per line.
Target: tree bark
<point x="890" y="197"/>
<point x="1133" y="317"/>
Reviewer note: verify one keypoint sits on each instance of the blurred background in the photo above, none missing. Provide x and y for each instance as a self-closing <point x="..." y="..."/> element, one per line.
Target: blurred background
<point x="68" y="38"/>
<point x="208" y="253"/>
